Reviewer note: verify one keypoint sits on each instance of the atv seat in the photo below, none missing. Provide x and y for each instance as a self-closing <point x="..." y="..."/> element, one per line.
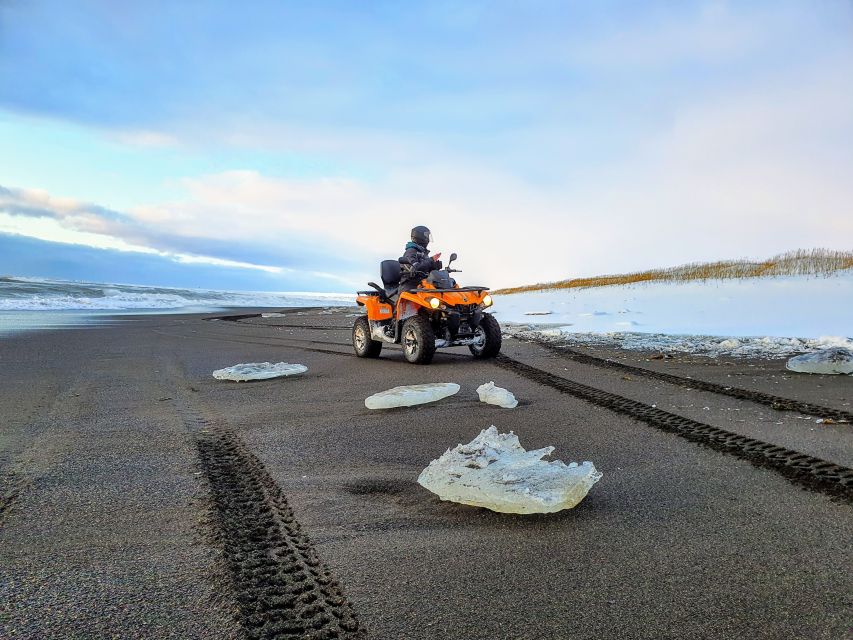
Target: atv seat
<point x="390" y="272"/>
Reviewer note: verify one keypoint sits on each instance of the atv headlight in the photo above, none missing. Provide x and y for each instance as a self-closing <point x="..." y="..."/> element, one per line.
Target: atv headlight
<point x="487" y="300"/>
<point x="434" y="302"/>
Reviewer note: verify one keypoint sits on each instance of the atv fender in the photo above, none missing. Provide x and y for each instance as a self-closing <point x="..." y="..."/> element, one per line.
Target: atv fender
<point x="406" y="308"/>
<point x="414" y="302"/>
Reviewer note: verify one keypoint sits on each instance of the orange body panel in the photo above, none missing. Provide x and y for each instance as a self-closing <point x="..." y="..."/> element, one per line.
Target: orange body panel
<point x="448" y="298"/>
<point x="376" y="310"/>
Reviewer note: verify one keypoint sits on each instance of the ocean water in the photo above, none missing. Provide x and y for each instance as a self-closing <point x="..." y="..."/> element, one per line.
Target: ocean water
<point x="28" y="304"/>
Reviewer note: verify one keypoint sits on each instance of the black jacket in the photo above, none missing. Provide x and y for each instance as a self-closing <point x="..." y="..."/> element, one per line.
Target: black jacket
<point x="419" y="264"/>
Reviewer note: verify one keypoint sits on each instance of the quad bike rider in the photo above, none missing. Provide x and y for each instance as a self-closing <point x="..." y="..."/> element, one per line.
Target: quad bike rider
<point x="423" y="308"/>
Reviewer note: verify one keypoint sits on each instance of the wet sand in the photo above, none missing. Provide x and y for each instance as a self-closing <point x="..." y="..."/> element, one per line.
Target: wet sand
<point x="125" y="466"/>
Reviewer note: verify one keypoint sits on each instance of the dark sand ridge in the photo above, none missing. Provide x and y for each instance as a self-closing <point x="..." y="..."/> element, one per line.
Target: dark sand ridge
<point x="109" y="534"/>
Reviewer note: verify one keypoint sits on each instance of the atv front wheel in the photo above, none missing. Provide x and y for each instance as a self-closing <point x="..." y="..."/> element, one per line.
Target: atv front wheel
<point x="418" y="340"/>
<point x="364" y="345"/>
<point x="490" y="331"/>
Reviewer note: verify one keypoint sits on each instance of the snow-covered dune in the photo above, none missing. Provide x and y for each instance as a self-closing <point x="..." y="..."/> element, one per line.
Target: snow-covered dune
<point x="755" y="316"/>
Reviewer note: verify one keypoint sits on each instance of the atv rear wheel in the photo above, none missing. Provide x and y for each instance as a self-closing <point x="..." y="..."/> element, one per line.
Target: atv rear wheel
<point x="418" y="340"/>
<point x="365" y="346"/>
<point x="491" y="332"/>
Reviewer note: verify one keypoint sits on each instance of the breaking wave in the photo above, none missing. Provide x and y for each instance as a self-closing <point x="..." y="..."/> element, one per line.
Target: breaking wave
<point x="28" y="294"/>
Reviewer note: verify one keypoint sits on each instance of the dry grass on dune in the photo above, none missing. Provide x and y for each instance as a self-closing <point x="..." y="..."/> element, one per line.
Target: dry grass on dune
<point x="800" y="262"/>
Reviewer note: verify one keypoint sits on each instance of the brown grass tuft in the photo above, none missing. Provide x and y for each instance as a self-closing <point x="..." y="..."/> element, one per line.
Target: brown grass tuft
<point x="819" y="262"/>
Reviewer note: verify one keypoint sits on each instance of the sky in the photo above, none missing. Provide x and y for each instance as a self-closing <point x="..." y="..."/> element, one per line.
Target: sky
<point x="293" y="145"/>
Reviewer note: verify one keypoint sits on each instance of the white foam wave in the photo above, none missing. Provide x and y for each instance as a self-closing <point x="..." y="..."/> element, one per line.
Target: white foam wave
<point x="19" y="294"/>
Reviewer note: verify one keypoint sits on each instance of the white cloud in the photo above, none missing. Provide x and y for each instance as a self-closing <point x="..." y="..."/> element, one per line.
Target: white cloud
<point x="760" y="170"/>
<point x="53" y="230"/>
<point x="67" y="230"/>
<point x="489" y="220"/>
<point x="37" y="214"/>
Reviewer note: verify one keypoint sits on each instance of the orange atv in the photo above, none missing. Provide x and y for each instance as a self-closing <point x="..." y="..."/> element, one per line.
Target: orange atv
<point x="437" y="314"/>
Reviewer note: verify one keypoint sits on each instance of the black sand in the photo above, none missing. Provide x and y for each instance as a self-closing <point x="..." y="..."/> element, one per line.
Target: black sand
<point x="111" y="529"/>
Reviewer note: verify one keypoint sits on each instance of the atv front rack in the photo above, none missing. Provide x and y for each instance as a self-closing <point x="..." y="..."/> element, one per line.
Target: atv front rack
<point x="460" y="290"/>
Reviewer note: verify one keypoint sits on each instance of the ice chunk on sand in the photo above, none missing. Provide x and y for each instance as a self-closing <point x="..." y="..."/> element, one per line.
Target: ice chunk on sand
<point x="491" y="394"/>
<point x="410" y="395"/>
<point x="554" y="332"/>
<point x="258" y="371"/>
<point x="830" y="361"/>
<point x="275" y="314"/>
<point x="494" y="471"/>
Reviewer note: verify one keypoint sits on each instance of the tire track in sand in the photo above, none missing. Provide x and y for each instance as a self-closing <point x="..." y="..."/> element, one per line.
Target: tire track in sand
<point x="282" y="587"/>
<point x="779" y="403"/>
<point x="799" y="468"/>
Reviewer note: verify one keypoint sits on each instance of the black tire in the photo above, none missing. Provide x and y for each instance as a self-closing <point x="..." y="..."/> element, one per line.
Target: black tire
<point x="492" y="344"/>
<point x="418" y="340"/>
<point x="364" y="345"/>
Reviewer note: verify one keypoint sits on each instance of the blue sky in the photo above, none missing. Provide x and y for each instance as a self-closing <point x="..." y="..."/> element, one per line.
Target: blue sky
<point x="277" y="145"/>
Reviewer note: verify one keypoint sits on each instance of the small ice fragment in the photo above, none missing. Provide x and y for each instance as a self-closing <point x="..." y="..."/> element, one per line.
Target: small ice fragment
<point x="538" y="313"/>
<point x="555" y="332"/>
<point x="491" y="394"/>
<point x="410" y="395"/>
<point x="272" y="315"/>
<point x="833" y="361"/>
<point x="495" y="472"/>
<point x="258" y="371"/>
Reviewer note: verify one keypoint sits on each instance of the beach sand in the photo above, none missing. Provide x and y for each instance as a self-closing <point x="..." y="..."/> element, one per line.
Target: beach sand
<point x="129" y="474"/>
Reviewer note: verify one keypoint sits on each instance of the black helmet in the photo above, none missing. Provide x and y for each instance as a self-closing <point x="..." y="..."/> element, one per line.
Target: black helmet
<point x="421" y="235"/>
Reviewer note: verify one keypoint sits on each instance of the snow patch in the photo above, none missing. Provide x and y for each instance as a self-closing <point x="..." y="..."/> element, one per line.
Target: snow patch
<point x="258" y="371"/>
<point x="495" y="472"/>
<point x="711" y="346"/>
<point x="410" y="395"/>
<point x="755" y="317"/>
<point x="832" y="361"/>
<point x="490" y="394"/>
